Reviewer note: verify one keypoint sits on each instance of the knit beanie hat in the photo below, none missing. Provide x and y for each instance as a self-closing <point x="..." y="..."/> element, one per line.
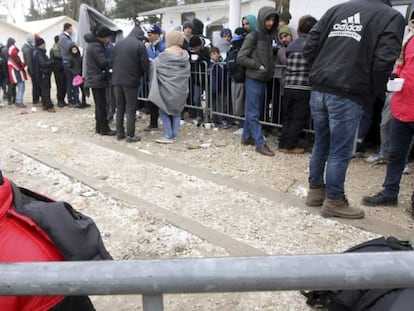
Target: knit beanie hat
<point x="187" y="25"/>
<point x="39" y="41"/>
<point x="286" y="30"/>
<point x="225" y="32"/>
<point x="195" y="41"/>
<point x="173" y="37"/>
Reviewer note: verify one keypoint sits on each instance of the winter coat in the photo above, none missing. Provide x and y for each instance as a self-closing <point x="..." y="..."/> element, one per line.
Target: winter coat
<point x="75" y="62"/>
<point x="17" y="73"/>
<point x="27" y="51"/>
<point x="154" y="50"/>
<point x="42" y="65"/>
<point x="56" y="58"/>
<point x="96" y="65"/>
<point x="64" y="42"/>
<point x="257" y="50"/>
<point x="402" y="102"/>
<point x="129" y="60"/>
<point x="353" y="48"/>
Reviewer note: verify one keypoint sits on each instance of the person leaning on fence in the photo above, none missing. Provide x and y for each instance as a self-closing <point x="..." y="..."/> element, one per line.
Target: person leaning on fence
<point x="349" y="70"/>
<point x="96" y="76"/>
<point x="200" y="60"/>
<point x="296" y="95"/>
<point x="129" y="64"/>
<point x="169" y="87"/>
<point x="402" y="127"/>
<point x="256" y="55"/>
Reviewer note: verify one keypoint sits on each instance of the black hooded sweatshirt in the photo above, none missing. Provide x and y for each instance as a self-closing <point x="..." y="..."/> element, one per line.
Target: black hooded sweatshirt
<point x="353" y="48"/>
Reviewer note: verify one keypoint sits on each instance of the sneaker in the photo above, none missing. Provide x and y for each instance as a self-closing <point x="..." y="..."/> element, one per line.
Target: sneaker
<point x="315" y="197"/>
<point x="376" y="158"/>
<point x="340" y="208"/>
<point x="133" y="139"/>
<point x="51" y="109"/>
<point x="265" y="150"/>
<point x="20" y="105"/>
<point x="164" y="140"/>
<point x="406" y="170"/>
<point x="120" y="136"/>
<point x="379" y="200"/>
<point x="224" y="124"/>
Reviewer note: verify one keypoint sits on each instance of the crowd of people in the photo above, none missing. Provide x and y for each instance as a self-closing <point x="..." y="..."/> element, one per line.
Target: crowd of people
<point x="336" y="69"/>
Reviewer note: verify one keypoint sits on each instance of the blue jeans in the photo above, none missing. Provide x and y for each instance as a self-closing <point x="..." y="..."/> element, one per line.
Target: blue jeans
<point x="400" y="136"/>
<point x="335" y="121"/>
<point x="171" y="124"/>
<point x="20" y="92"/>
<point x="255" y="92"/>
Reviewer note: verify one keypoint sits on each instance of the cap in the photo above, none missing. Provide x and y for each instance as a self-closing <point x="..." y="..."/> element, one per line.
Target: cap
<point x="103" y="32"/>
<point x="154" y="28"/>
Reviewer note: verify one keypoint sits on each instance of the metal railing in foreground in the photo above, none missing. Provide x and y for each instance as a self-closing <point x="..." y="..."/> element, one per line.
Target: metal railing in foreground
<point x="153" y="278"/>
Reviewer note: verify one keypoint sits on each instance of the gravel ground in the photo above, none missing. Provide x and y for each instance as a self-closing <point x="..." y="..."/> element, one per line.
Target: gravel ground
<point x="131" y="232"/>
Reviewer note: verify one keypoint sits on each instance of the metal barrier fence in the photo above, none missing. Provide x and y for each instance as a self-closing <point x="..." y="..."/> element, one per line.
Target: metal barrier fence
<point x="214" y="96"/>
<point x="153" y="278"/>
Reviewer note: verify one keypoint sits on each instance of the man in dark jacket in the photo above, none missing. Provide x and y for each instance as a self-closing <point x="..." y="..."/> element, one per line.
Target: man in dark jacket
<point x="42" y="70"/>
<point x="256" y="55"/>
<point x="129" y="63"/>
<point x="96" y="75"/>
<point x="65" y="39"/>
<point x="352" y="50"/>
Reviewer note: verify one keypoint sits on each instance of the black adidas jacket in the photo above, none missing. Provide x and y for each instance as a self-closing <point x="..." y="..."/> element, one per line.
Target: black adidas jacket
<point x="353" y="48"/>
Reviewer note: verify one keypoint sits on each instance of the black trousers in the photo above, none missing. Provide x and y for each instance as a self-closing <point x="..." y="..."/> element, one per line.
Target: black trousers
<point x="60" y="80"/>
<point x="153" y="109"/>
<point x="296" y="113"/>
<point x="101" y="114"/>
<point x="36" y="89"/>
<point x="126" y="103"/>
<point x="72" y="303"/>
<point x="45" y="90"/>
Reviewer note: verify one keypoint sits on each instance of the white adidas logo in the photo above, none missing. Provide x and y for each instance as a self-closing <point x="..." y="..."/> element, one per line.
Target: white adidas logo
<point x="348" y="27"/>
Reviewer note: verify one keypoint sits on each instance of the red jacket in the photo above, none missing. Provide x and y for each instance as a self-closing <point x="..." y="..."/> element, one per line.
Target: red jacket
<point x="402" y="102"/>
<point x="21" y="240"/>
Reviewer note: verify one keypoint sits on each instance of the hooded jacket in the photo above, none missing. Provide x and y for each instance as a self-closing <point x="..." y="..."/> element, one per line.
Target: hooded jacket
<point x="17" y="73"/>
<point x="96" y="65"/>
<point x="353" y="48"/>
<point x="75" y="61"/>
<point x="27" y="51"/>
<point x="129" y="59"/>
<point x="257" y="48"/>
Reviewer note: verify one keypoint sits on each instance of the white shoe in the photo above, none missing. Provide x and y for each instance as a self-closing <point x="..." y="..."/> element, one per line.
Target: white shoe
<point x="406" y="170"/>
<point x="165" y="140"/>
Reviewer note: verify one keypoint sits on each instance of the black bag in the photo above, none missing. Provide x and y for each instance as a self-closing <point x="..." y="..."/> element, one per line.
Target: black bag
<point x="366" y="299"/>
<point x="75" y="234"/>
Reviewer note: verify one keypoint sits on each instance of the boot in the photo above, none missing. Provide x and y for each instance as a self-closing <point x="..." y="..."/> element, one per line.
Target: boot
<point x="315" y="197"/>
<point x="340" y="208"/>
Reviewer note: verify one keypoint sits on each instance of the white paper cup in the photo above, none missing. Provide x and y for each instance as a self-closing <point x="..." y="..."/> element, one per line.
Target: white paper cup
<point x="395" y="85"/>
<point x="194" y="56"/>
